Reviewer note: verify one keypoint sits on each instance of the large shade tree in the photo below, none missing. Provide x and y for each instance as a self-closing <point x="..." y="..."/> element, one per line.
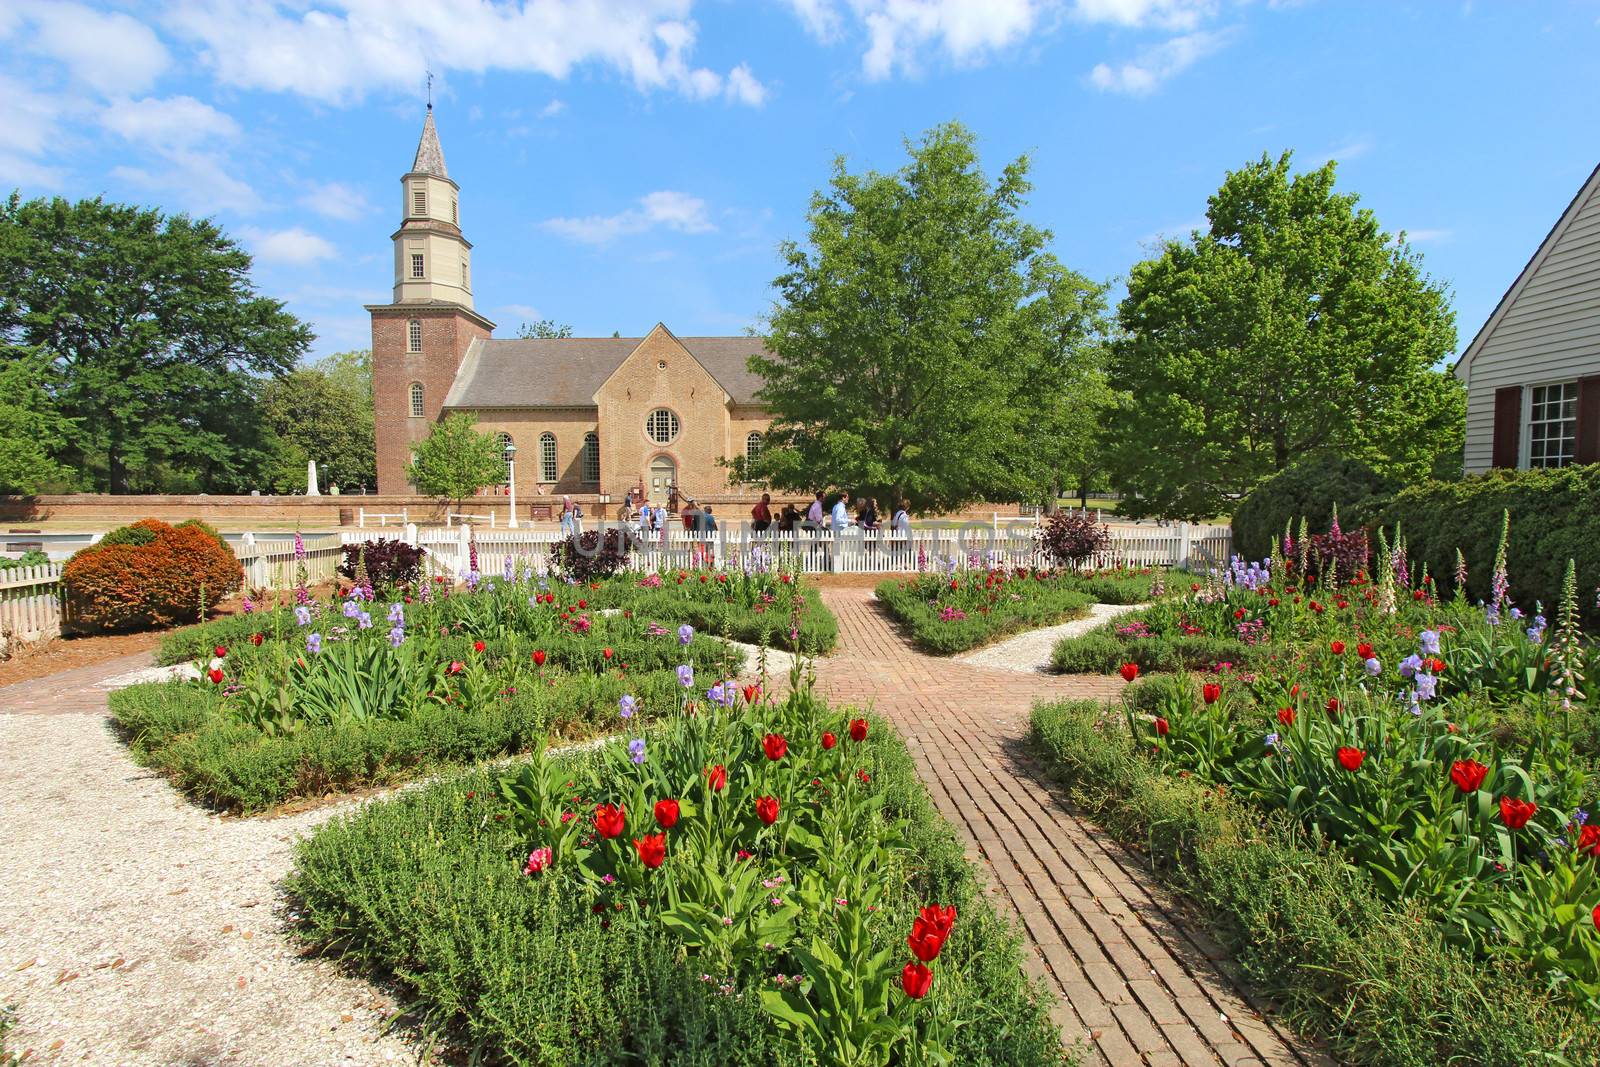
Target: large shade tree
<point x="31" y="430"/>
<point x="456" y="459"/>
<point x="158" y="340"/>
<point x="324" y="412"/>
<point x="904" y="361"/>
<point x="1291" y="326"/>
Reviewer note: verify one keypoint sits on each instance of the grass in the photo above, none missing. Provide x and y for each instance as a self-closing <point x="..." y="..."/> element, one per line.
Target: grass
<point x="1102" y="651"/>
<point x="985" y="607"/>
<point x="1309" y="929"/>
<point x="426" y="887"/>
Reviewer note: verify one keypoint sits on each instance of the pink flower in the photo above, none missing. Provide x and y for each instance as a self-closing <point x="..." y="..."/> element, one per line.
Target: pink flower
<point x="538" y="860"/>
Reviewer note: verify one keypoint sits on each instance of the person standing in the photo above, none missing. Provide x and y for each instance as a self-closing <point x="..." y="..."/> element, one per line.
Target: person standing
<point x="901" y="523"/>
<point x="840" y="517"/>
<point x="566" y="517"/>
<point x="761" y="514"/>
<point x="814" y="512"/>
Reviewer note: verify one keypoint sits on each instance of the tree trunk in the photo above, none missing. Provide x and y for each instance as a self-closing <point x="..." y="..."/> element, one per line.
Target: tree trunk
<point x="116" y="471"/>
<point x="1083" y="493"/>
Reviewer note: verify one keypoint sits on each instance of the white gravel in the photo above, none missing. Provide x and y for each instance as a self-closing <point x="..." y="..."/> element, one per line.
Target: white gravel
<point x="137" y="929"/>
<point x="1030" y="652"/>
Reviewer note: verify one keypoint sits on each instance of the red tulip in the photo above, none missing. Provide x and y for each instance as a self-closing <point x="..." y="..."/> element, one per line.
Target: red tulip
<point x="538" y="657"/>
<point x="1238" y="613"/>
<point x="666" y="814"/>
<point x="1337" y="647"/>
<point x="582" y="604"/>
<point x="829" y="740"/>
<point x="717" y="778"/>
<point x="652" y="849"/>
<point x="215" y="674"/>
<point x="1286" y="716"/>
<point x="1129" y="671"/>
<point x="257" y="638"/>
<point x="942" y="918"/>
<point x="858" y="729"/>
<point x="456" y="667"/>
<point x="1436" y="665"/>
<point x="1210" y="692"/>
<point x="220" y="652"/>
<point x="1597" y="916"/>
<point x="926" y="941"/>
<point x="478" y="646"/>
<point x="767" y="809"/>
<point x="954" y="584"/>
<point x="1332" y="705"/>
<point x="1589" y="840"/>
<point x="1350" y="758"/>
<point x="1516" y="813"/>
<point x="774" y="746"/>
<point x="1161" y="726"/>
<point x="916" y="979"/>
<point x="607" y="653"/>
<point x="751" y="693"/>
<point x="1364" y="651"/>
<point x="1468" y="774"/>
<point x="609" y="820"/>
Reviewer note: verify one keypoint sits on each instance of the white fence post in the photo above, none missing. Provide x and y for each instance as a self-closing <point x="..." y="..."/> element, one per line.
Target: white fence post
<point x="1184" y="546"/>
<point x="464" y="550"/>
<point x="409" y="533"/>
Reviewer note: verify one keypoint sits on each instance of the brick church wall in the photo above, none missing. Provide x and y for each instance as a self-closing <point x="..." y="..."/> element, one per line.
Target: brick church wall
<point x="446" y="333"/>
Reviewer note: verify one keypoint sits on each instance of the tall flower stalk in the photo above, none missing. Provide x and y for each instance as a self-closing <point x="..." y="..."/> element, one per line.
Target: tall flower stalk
<point x="1500" y="583"/>
<point x="302" y="577"/>
<point x="1566" y="649"/>
<point x="1461" y="575"/>
<point x="1386" y="571"/>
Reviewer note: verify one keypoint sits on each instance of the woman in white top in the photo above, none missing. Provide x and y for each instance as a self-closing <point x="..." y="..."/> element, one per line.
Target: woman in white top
<point x="566" y="516"/>
<point x="901" y="523"/>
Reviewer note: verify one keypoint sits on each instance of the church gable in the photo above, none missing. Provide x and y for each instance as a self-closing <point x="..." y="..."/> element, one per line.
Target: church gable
<point x="661" y="367"/>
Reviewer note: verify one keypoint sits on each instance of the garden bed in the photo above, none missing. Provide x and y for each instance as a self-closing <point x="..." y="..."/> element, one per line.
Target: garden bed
<point x="328" y="697"/>
<point x="948" y="613"/>
<point x="1384" y="808"/>
<point x="706" y="894"/>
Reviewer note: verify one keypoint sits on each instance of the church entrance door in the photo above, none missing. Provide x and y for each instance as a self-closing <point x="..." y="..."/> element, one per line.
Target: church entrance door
<point x="663" y="476"/>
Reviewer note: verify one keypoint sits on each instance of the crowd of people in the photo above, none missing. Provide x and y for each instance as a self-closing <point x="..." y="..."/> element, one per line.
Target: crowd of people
<point x="827" y="512"/>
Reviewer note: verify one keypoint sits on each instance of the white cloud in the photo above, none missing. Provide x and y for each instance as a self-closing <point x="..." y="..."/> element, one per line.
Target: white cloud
<point x="1152" y="66"/>
<point x="522" y="311"/>
<point x="195" y="180"/>
<point x="819" y="17"/>
<point x="965" y="31"/>
<point x="743" y="87"/>
<point x="1353" y="149"/>
<point x="30" y="120"/>
<point x="1164" y="14"/>
<point x="344" y="49"/>
<point x="174" y="122"/>
<point x="665" y="209"/>
<point x="106" y="50"/>
<point x="552" y="109"/>
<point x="295" y="246"/>
<point x="335" y="200"/>
<point x="20" y="172"/>
<point x="1424" y="236"/>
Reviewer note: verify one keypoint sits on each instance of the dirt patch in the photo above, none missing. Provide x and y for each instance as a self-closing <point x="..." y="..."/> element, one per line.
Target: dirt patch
<point x="40" y="658"/>
<point x="847" y="581"/>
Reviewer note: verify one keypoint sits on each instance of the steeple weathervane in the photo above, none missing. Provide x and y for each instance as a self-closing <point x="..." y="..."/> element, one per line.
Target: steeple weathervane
<point x="429" y="73"/>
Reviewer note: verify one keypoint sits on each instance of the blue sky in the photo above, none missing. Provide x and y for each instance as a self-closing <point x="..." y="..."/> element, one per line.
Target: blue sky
<point x="629" y="161"/>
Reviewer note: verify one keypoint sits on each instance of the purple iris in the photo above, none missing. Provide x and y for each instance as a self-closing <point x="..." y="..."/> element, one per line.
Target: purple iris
<point x="313" y="643"/>
<point x="686" y="676"/>
<point x="1410" y="666"/>
<point x="626" y="707"/>
<point x="302" y="615"/>
<point x="1426" y="685"/>
<point x="636" y="750"/>
<point x="1374" y="668"/>
<point x="397" y="613"/>
<point x="397" y="636"/>
<point x="685" y="634"/>
<point x="1430" y="642"/>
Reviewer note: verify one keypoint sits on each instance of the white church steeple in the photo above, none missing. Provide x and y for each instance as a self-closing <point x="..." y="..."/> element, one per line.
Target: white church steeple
<point x="432" y="260"/>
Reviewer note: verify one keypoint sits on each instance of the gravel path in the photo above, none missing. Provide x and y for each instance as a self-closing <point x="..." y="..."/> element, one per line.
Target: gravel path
<point x="137" y="929"/>
<point x="1031" y="651"/>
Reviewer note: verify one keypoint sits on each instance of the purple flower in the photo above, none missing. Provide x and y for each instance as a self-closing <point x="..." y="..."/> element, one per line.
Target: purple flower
<point x="506" y="570"/>
<point x="1374" y="668"/>
<point x="1430" y="642"/>
<point x="397" y="613"/>
<point x="636" y="750"/>
<point x="364" y="621"/>
<point x="351" y="608"/>
<point x="1410" y="666"/>
<point x="685" y="634"/>
<point x="397" y="636"/>
<point x="686" y="676"/>
<point x="1426" y="685"/>
<point x="249" y="606"/>
<point x="299" y="548"/>
<point x="1270" y="740"/>
<point x="473" y="578"/>
<point x="313" y="643"/>
<point x="627" y="706"/>
<point x="302" y="615"/>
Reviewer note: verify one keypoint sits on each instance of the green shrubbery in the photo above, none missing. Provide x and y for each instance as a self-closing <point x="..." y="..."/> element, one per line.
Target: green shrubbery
<point x="1311" y="930"/>
<point x="1311" y="489"/>
<point x="562" y="965"/>
<point x="1555" y="516"/>
<point x="755" y="608"/>
<point x="1104" y="650"/>
<point x="945" y="614"/>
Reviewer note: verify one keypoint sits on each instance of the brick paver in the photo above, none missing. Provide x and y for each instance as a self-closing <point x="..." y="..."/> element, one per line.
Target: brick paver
<point x="1136" y="984"/>
<point x="80" y="691"/>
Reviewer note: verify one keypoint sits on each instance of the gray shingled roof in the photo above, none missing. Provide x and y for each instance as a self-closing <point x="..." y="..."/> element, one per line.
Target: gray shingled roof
<point x="566" y="371"/>
<point x="430" y="157"/>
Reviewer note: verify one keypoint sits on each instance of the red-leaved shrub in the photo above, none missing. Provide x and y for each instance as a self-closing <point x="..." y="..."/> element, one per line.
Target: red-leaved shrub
<point x="1070" y="539"/>
<point x="163" y="581"/>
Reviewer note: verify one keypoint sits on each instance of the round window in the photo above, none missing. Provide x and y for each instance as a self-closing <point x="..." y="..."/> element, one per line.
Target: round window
<point x="661" y="425"/>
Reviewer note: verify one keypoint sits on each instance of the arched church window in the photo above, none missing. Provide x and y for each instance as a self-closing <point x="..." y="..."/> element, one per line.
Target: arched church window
<point x="547" y="457"/>
<point x="416" y="400"/>
<point x="414" y="335"/>
<point x="591" y="457"/>
<point x="752" y="446"/>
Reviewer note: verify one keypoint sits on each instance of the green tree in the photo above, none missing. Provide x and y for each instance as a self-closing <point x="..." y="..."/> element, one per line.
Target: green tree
<point x="902" y="362"/>
<point x="159" y="339"/>
<point x="543" y="328"/>
<point x="455" y="460"/>
<point x="1292" y="326"/>
<point x="31" y="429"/>
<point x="325" y="416"/>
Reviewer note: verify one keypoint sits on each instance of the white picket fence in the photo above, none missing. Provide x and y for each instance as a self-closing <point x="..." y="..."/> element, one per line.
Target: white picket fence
<point x="977" y="545"/>
<point x="30" y="602"/>
<point x="31" y="605"/>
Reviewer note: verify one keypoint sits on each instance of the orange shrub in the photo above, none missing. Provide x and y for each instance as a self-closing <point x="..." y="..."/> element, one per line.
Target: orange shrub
<point x="128" y="586"/>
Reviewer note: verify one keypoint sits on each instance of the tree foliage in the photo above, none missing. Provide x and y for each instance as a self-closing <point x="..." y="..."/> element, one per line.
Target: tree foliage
<point x="1292" y="326"/>
<point x="455" y="460"/>
<point x="158" y="338"/>
<point x="543" y="328"/>
<point x="324" y="412"/>
<point x="922" y="338"/>
<point x="31" y="430"/>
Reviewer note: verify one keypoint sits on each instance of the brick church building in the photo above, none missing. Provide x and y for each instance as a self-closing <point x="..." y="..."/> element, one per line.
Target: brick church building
<point x="593" y="417"/>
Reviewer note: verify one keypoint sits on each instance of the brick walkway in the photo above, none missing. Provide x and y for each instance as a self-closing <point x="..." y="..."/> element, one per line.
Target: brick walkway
<point x="80" y="691"/>
<point x="1137" y="978"/>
